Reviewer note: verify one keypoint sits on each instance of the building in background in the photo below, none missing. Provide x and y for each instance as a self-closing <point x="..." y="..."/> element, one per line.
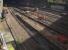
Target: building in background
<point x="59" y="5"/>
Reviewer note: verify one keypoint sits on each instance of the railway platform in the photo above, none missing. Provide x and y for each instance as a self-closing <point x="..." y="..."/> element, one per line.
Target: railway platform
<point x="6" y="35"/>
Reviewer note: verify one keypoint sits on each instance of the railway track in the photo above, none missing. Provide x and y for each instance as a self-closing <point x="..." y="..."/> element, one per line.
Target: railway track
<point x="45" y="12"/>
<point x="58" y="26"/>
<point x="35" y="41"/>
<point x="54" y="12"/>
<point x="47" y="22"/>
<point x="26" y="23"/>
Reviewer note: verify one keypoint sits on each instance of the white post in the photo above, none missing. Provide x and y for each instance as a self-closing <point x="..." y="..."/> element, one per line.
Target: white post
<point x="3" y="41"/>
